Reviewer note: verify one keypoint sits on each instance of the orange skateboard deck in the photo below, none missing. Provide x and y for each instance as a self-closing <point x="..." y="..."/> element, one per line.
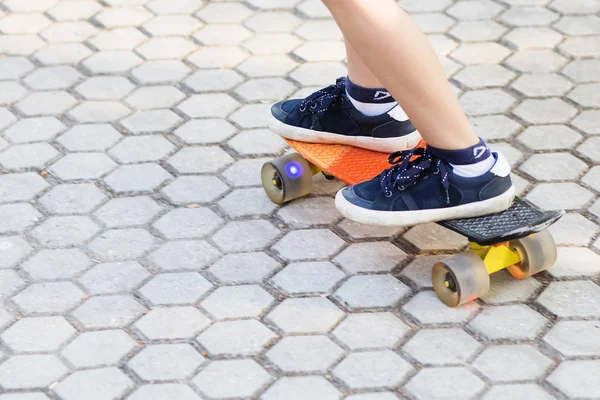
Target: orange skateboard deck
<point x="350" y="165"/>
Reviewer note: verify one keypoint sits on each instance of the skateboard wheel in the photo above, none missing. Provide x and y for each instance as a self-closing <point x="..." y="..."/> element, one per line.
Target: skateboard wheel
<point x="538" y="253"/>
<point x="460" y="279"/>
<point x="286" y="178"/>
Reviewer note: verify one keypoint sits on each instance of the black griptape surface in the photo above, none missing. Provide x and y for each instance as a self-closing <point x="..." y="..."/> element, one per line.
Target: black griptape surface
<point x="518" y="221"/>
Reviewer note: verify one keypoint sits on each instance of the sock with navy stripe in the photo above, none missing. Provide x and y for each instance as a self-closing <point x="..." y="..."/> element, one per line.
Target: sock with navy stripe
<point x="369" y="101"/>
<point x="470" y="162"/>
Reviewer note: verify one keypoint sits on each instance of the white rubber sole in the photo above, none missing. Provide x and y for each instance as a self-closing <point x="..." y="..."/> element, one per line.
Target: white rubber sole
<point x="416" y="217"/>
<point x="390" y="145"/>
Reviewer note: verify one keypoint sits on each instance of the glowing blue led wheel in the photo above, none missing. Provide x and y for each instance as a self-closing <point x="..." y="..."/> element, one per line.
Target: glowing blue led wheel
<point x="287" y="178"/>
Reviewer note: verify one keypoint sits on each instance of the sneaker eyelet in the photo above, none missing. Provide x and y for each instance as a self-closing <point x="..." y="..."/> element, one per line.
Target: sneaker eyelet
<point x="436" y="171"/>
<point x="388" y="194"/>
<point x="302" y="108"/>
<point x="425" y="176"/>
<point x="313" y="106"/>
<point x="401" y="188"/>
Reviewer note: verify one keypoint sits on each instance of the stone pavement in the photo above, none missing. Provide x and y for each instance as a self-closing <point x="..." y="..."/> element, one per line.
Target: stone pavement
<point x="141" y="260"/>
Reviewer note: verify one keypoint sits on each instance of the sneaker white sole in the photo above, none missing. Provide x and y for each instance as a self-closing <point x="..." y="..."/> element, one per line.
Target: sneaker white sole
<point x="416" y="217"/>
<point x="383" y="145"/>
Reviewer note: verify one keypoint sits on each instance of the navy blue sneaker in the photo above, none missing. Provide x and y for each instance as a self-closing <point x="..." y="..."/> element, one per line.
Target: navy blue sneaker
<point x="328" y="116"/>
<point x="425" y="189"/>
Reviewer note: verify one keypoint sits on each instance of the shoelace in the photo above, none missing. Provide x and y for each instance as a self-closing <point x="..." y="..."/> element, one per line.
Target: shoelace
<point x="321" y="100"/>
<point x="409" y="167"/>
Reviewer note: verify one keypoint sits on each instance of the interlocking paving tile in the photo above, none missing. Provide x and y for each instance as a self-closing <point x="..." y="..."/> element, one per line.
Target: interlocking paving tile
<point x="244" y="267"/>
<point x="128" y="211"/>
<point x="305" y="315"/>
<point x="372" y="370"/>
<point x="533" y="38"/>
<point x="39" y="334"/>
<point x="573" y="230"/>
<point x="116" y="277"/>
<point x="307" y="277"/>
<point x="166" y="362"/>
<point x="172" y="323"/>
<point x="94" y="349"/>
<point x="237" y="302"/>
<point x="550" y="137"/>
<point x="575" y="262"/>
<point x="164" y="391"/>
<point x="308" y="244"/>
<point x="10" y="283"/>
<point x="160" y="71"/>
<point x="576" y="378"/>
<point x="427" y="309"/>
<point x="267" y="44"/>
<point x="108" y="311"/>
<point x="441" y="346"/>
<point x="517" y="391"/>
<point x="513" y="322"/>
<point x="247" y="202"/>
<point x="371" y="291"/>
<point x="56" y="264"/>
<point x="236" y="338"/>
<point x="14" y="249"/>
<point x="302" y="387"/>
<point x="205" y="131"/>
<point x="575" y="338"/>
<point x="184" y="255"/>
<point x="94" y="384"/>
<point x="121" y="244"/>
<point x="31" y="371"/>
<point x="175" y="288"/>
<point x="453" y="382"/>
<point x="232" y="378"/>
<point x="307" y="354"/>
<point x="536" y="61"/>
<point x="187" y="223"/>
<point x="371" y="330"/>
<point x="17" y="217"/>
<point x="505" y="363"/>
<point x="196" y="189"/>
<point x="137" y="178"/>
<point x="581" y="305"/>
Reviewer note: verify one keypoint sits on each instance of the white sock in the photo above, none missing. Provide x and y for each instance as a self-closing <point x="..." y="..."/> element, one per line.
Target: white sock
<point x="371" y="109"/>
<point x="473" y="170"/>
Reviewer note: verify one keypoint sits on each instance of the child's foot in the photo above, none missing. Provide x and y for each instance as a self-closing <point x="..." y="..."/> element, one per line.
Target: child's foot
<point x="329" y="116"/>
<point x="426" y="189"/>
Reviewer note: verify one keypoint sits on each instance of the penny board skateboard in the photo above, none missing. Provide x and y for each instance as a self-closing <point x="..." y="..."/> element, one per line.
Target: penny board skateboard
<point x="516" y="239"/>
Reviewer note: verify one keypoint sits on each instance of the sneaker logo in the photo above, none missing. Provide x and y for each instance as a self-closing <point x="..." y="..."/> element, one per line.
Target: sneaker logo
<point x="479" y="151"/>
<point x="379" y="95"/>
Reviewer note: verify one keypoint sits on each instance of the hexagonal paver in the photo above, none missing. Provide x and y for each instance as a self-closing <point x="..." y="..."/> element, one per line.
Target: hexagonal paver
<point x="308" y="244"/>
<point x="262" y="89"/>
<point x="11" y="92"/>
<point x="114" y="277"/>
<point x="205" y="131"/>
<point x="566" y="196"/>
<point x="166" y="362"/>
<point x="575" y="338"/>
<point x="49" y="297"/>
<point x="371" y="291"/>
<point x="244" y="268"/>
<point x="118" y="39"/>
<point x="96" y="384"/>
<point x="374" y="369"/>
<point x="98" y="111"/>
<point x="305" y="315"/>
<point x="49" y="78"/>
<point x="121" y="244"/>
<point x="10" y="282"/>
<point x="576" y="378"/>
<point x="62" y="53"/>
<point x="267" y="66"/>
<point x="74" y="10"/>
<point x="112" y="62"/>
<point x="24" y="156"/>
<point x="72" y="198"/>
<point x="575" y="261"/>
<point x="453" y="382"/>
<point x="150" y="97"/>
<point x="536" y="61"/>
<point x="20" y="45"/>
<point x="31" y="371"/>
<point x="371" y="331"/>
<point x="218" y="57"/>
<point x="586" y="95"/>
<point x="434" y="237"/>
<point x="232" y="378"/>
<point x="46" y="103"/>
<point x="105" y="88"/>
<point x="65" y="231"/>
<point x="187" y="223"/>
<point x="20" y="187"/>
<point x="151" y="121"/>
<point x="138" y="178"/>
<point x="142" y="149"/>
<point x="247" y="202"/>
<point x="34" y="129"/>
<point x="108" y="311"/>
<point x="208" y="105"/>
<point x="245" y="337"/>
<point x="542" y="85"/>
<point x="370" y="257"/>
<point x="583" y="71"/>
<point x="584" y="46"/>
<point x="172" y="323"/>
<point x="268" y="44"/>
<point x="484" y="75"/>
<point x="24" y="23"/>
<point x="14" y="249"/>
<point x="545" y="111"/>
<point x="511" y="391"/>
<point x="515" y="322"/>
<point x="125" y="16"/>
<point x="238" y="236"/>
<point x="128" y="211"/>
<point x="172" y="25"/>
<point x="428" y="309"/>
<point x="184" y="255"/>
<point x="200" y="159"/>
<point x="160" y="71"/>
<point x="589" y="149"/>
<point x="304" y="354"/>
<point x="212" y="80"/>
<point x="308" y="277"/>
<point x="194" y="189"/>
<point x="164" y="391"/>
<point x="302" y="387"/>
<point x="573" y="230"/>
<point x="17" y="217"/>
<point x="41" y="334"/>
<point x="478" y="31"/>
<point x="222" y="34"/>
<point x="224" y="13"/>
<point x="69" y="31"/>
<point x="549" y="137"/>
<point x="505" y="363"/>
<point x="585" y="122"/>
<point x="237" y="302"/>
<point x="488" y="101"/>
<point x="557" y="166"/>
<point x="533" y="38"/>
<point x="14" y="67"/>
<point x="89" y="137"/>
<point x="161" y="48"/>
<point x="256" y="142"/>
<point x="93" y="349"/>
<point x="175" y="288"/>
<point x="582" y="297"/>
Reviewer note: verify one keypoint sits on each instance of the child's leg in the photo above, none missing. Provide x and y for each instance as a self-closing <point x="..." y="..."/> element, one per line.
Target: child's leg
<point x="399" y="54"/>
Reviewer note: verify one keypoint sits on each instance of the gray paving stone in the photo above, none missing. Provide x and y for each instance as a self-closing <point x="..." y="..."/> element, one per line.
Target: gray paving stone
<point x="17" y="217"/>
<point x="304" y="354"/>
<point x="232" y="378"/>
<point x="74" y="10"/>
<point x="373" y="396"/>
<point x="142" y="149"/>
<point x="31" y="371"/>
<point x="88" y="137"/>
<point x="19" y="44"/>
<point x="49" y="297"/>
<point x="69" y="31"/>
<point x="118" y="17"/>
<point x="536" y="61"/>
<point x="577" y="378"/>
<point x="595" y="208"/>
<point x="236" y="338"/>
<point x="184" y="255"/>
<point x="14" y="67"/>
<point x="505" y="363"/>
<point x="108" y="311"/>
<point x="478" y="31"/>
<point x="10" y="282"/>
<point x="487" y="101"/>
<point x="550" y="137"/>
<point x="257" y="142"/>
<point x="574" y="262"/>
<point x="575" y="338"/>
<point x="271" y="22"/>
<point x="521" y="391"/>
<point x="573" y="230"/>
<point x="247" y="202"/>
<point x="94" y="349"/>
<point x="160" y="48"/>
<point x="7" y="118"/>
<point x="566" y="196"/>
<point x="427" y="309"/>
<point x="187" y="223"/>
<point x="305" y="315"/>
<point x="65" y="231"/>
<point x="583" y="71"/>
<point x="24" y="23"/>
<point x="371" y="331"/>
<point x="24" y="396"/>
<point x="302" y="387"/>
<point x="138" y="178"/>
<point x="34" y="129"/>
<point x="62" y="53"/>
<point x="160" y="71"/>
<point x="109" y="278"/>
<point x="434" y="237"/>
<point x="166" y="362"/>
<point x="161" y="7"/>
<point x="200" y="160"/>
<point x="484" y="75"/>
<point x="128" y="211"/>
<point x="575" y="7"/>
<point x="11" y="92"/>
<point x="121" y="244"/>
<point x="307" y="277"/>
<point x="308" y="212"/>
<point x="151" y="97"/>
<point x="195" y="189"/>
<point x="371" y="291"/>
<point x="511" y="322"/>
<point x="589" y="149"/>
<point x="317" y="74"/>
<point x="545" y="111"/>
<point x="454" y="382"/>
<point x="441" y="346"/>
<point x="149" y="121"/>
<point x="262" y="89"/>
<point x="553" y="166"/>
<point x="98" y="111"/>
<point x="570" y="299"/>
<point x="505" y="289"/>
<point x="268" y="44"/>
<point x="267" y="66"/>
<point x="41" y="334"/>
<point x="50" y="78"/>
<point x="480" y="52"/>
<point x="46" y="103"/>
<point x="372" y="370"/>
<point x="579" y="25"/>
<point x="370" y="257"/>
<point x="241" y="236"/>
<point x="56" y="264"/>
<point x="237" y="302"/>
<point x="586" y="95"/>
<point x="533" y="38"/>
<point x="474" y="10"/>
<point x="14" y="249"/>
<point x="542" y="85"/>
<point x="27" y="156"/>
<point x="175" y="288"/>
<point x="172" y="25"/>
<point x="105" y="88"/>
<point x="360" y="231"/>
<point x="583" y="46"/>
<point x="528" y="16"/>
<point x="172" y="323"/>
<point x="111" y="62"/>
<point x="20" y="187"/>
<point x="5" y="318"/>
<point x="212" y="80"/>
<point x="244" y="268"/>
<point x="244" y="173"/>
<point x="72" y="199"/>
<point x="224" y="13"/>
<point x="94" y="384"/>
<point x="218" y="57"/>
<point x="419" y="270"/>
<point x="308" y="244"/>
<point x="205" y="131"/>
<point x="164" y="391"/>
<point x="333" y="50"/>
<point x="222" y="34"/>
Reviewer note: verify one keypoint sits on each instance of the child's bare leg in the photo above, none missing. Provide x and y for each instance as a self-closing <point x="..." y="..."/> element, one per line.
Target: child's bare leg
<point x="358" y="72"/>
<point x="399" y="54"/>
